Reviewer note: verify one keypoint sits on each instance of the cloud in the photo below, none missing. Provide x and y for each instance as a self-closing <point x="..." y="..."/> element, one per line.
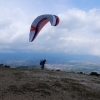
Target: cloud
<point x="77" y="32"/>
<point x="82" y="29"/>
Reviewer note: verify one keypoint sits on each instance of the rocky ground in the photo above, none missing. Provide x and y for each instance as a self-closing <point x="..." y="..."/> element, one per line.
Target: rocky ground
<point x="21" y="84"/>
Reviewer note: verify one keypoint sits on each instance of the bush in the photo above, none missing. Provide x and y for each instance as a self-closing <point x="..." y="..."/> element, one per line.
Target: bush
<point x="94" y="74"/>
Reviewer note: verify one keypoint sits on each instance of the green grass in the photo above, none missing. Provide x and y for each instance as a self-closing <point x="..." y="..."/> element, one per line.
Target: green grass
<point x="57" y="83"/>
<point x="78" y="88"/>
<point x="43" y="86"/>
<point x="65" y="80"/>
<point x="98" y="82"/>
<point x="14" y="89"/>
<point x="27" y="87"/>
<point x="45" y="92"/>
<point x="18" y="75"/>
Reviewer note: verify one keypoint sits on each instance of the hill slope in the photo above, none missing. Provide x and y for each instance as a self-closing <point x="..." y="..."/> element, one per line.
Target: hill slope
<point x="21" y="84"/>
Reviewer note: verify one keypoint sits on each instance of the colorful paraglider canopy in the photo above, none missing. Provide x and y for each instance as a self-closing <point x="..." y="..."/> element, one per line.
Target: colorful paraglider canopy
<point x="40" y="22"/>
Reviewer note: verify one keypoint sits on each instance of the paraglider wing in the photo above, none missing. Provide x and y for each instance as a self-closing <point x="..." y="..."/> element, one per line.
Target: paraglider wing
<point x="40" y="22"/>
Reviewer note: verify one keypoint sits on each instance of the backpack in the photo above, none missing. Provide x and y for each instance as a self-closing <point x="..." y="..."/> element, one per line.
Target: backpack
<point x="41" y="62"/>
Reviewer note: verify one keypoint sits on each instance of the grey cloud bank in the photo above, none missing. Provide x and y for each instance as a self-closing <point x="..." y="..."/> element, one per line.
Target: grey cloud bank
<point x="78" y="32"/>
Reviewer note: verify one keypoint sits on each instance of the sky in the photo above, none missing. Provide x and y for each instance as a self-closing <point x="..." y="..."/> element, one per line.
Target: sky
<point x="77" y="33"/>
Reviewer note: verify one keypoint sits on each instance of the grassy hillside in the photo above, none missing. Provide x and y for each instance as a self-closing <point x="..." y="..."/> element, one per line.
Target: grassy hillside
<point x="22" y="84"/>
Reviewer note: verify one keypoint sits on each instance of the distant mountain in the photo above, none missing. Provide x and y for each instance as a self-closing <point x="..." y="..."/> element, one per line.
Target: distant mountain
<point x="33" y="58"/>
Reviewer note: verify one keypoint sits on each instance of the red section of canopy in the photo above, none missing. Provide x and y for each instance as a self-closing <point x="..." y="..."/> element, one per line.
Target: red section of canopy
<point x="57" y="20"/>
<point x="42" y="23"/>
<point x="32" y="28"/>
<point x="40" y="26"/>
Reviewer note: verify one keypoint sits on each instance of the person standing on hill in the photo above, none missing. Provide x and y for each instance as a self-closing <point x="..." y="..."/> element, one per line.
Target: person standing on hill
<point x="42" y="62"/>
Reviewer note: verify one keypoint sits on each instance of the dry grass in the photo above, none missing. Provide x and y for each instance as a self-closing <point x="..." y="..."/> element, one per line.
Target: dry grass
<point x="40" y="85"/>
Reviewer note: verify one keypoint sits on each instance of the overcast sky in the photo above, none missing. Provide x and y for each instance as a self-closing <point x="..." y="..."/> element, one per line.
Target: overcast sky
<point x="78" y="31"/>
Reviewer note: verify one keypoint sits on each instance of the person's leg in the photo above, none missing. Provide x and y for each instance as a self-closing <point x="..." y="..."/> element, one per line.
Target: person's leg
<point x="42" y="67"/>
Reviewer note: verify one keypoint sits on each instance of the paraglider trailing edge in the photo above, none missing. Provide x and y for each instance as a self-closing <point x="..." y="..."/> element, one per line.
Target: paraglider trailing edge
<point x="40" y="22"/>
